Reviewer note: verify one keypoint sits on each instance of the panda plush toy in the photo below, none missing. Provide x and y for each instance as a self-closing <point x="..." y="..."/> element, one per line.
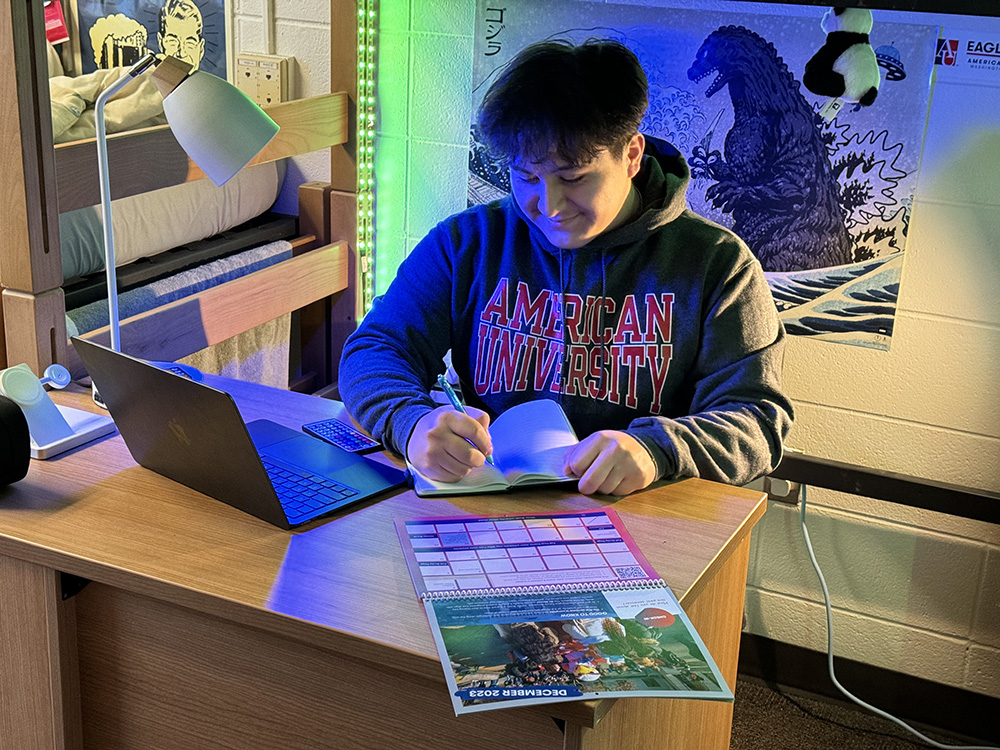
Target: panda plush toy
<point x="845" y="66"/>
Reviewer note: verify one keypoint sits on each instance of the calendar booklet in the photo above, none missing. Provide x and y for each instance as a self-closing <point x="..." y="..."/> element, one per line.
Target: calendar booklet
<point x="552" y="607"/>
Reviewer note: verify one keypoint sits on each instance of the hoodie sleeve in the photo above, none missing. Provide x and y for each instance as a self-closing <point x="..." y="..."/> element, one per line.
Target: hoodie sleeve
<point x="389" y="363"/>
<point x="739" y="413"/>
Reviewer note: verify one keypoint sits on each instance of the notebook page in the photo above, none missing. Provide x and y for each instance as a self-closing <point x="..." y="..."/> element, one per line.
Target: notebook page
<point x="531" y="439"/>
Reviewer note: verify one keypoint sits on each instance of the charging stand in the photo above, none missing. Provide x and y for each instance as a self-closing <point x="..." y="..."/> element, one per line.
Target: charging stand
<point x="54" y="429"/>
<point x="83" y="426"/>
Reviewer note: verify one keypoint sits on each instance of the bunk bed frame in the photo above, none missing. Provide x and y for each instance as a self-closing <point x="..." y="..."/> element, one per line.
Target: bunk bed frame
<point x="39" y="180"/>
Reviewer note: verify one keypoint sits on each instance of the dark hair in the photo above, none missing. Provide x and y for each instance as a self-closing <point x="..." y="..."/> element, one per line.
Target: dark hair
<point x="571" y="99"/>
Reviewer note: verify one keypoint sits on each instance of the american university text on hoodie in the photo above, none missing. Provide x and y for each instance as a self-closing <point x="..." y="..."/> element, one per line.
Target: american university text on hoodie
<point x="610" y="345"/>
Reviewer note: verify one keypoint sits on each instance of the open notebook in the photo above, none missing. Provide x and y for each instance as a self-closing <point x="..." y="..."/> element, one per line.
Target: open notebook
<point x="529" y="443"/>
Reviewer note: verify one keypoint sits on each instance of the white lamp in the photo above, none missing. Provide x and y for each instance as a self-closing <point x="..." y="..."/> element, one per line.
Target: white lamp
<point x="216" y="124"/>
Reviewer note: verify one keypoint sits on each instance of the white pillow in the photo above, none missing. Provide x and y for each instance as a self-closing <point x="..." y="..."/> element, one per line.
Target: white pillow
<point x="149" y="223"/>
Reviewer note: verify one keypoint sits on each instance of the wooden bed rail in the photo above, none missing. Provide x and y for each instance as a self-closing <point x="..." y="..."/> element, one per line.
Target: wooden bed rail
<point x="216" y="314"/>
<point x="148" y="159"/>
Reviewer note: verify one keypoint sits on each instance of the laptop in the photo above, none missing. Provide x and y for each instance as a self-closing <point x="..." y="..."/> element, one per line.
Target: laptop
<point x="195" y="435"/>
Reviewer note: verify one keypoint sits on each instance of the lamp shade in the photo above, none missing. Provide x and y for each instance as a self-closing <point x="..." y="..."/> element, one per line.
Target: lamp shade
<point x="219" y="126"/>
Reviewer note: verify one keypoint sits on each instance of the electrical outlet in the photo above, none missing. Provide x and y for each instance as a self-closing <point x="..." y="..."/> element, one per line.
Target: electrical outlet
<point x="264" y="78"/>
<point x="782" y="490"/>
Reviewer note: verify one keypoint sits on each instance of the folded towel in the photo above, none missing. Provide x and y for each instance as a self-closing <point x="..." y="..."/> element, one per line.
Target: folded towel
<point x="259" y="355"/>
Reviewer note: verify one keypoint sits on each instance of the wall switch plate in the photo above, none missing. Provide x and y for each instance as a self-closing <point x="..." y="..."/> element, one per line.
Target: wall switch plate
<point x="264" y="78"/>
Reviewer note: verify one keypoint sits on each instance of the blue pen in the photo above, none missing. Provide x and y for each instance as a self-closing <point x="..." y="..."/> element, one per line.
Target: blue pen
<point x="453" y="398"/>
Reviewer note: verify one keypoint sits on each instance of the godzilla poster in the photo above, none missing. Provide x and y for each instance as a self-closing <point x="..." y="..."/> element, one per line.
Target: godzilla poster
<point x="823" y="202"/>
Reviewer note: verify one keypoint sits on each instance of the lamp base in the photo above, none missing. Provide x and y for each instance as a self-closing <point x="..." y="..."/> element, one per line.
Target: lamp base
<point x="86" y="426"/>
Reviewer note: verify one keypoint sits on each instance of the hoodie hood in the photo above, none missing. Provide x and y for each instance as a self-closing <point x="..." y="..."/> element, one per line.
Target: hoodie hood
<point x="662" y="183"/>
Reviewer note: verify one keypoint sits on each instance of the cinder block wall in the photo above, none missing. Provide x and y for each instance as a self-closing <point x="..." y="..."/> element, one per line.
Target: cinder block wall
<point x="422" y="139"/>
<point x="301" y="29"/>
<point x="913" y="591"/>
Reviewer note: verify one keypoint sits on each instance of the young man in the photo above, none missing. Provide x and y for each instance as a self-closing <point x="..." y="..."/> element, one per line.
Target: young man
<point x="593" y="285"/>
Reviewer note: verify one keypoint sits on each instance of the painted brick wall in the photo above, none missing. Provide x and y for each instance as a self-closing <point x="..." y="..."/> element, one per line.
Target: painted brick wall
<point x="913" y="591"/>
<point x="425" y="94"/>
<point x="301" y="29"/>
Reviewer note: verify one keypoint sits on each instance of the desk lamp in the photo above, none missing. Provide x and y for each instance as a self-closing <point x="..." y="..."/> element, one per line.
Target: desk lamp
<point x="216" y="124"/>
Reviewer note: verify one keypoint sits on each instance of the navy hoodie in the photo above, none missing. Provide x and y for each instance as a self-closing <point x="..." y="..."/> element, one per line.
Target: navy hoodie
<point x="663" y="327"/>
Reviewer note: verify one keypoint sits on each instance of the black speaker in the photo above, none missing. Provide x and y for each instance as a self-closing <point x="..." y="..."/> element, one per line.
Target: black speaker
<point x="15" y="442"/>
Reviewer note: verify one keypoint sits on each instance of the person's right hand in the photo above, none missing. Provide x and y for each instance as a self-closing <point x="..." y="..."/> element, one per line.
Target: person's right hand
<point x="438" y="446"/>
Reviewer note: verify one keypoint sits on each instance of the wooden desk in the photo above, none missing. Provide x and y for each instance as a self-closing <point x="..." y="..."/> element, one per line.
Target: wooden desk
<point x="205" y="628"/>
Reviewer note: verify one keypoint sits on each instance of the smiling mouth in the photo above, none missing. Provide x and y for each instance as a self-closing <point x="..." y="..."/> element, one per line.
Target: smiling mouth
<point x="561" y="222"/>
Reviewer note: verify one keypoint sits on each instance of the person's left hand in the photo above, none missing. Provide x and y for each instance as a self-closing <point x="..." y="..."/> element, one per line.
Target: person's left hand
<point x="610" y="462"/>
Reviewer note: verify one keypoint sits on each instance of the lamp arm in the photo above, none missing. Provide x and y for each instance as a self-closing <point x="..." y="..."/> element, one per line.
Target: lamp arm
<point x="102" y="172"/>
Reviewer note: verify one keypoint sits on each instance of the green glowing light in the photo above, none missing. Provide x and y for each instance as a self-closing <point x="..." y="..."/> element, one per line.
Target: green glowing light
<point x="366" y="138"/>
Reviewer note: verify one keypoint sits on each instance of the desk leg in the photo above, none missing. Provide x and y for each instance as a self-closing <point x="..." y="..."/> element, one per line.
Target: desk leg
<point x="39" y="683"/>
<point x="663" y="724"/>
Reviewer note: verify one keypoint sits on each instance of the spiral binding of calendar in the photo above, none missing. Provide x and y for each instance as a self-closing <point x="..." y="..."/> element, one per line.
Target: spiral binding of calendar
<point x="554" y="588"/>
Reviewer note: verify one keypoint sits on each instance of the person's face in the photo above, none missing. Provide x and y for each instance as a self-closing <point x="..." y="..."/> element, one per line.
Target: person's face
<point x="573" y="204"/>
<point x="182" y="39"/>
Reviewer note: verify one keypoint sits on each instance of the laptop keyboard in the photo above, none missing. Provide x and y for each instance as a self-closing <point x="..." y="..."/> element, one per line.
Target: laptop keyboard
<point x="303" y="494"/>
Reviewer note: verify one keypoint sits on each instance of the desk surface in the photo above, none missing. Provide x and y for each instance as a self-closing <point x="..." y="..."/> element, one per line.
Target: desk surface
<point x="338" y="583"/>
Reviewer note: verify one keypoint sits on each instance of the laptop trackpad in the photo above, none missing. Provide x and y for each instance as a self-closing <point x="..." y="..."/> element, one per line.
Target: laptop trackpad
<point x="312" y="454"/>
<point x="297" y="448"/>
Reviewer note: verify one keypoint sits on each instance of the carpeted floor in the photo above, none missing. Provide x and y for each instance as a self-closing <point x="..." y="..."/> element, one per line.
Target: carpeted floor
<point x="770" y="719"/>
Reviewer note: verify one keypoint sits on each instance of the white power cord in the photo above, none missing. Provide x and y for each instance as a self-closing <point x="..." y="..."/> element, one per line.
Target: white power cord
<point x="829" y="652"/>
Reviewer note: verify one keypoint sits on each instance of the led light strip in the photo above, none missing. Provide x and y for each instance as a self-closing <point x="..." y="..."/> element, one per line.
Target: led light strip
<point x="366" y="149"/>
